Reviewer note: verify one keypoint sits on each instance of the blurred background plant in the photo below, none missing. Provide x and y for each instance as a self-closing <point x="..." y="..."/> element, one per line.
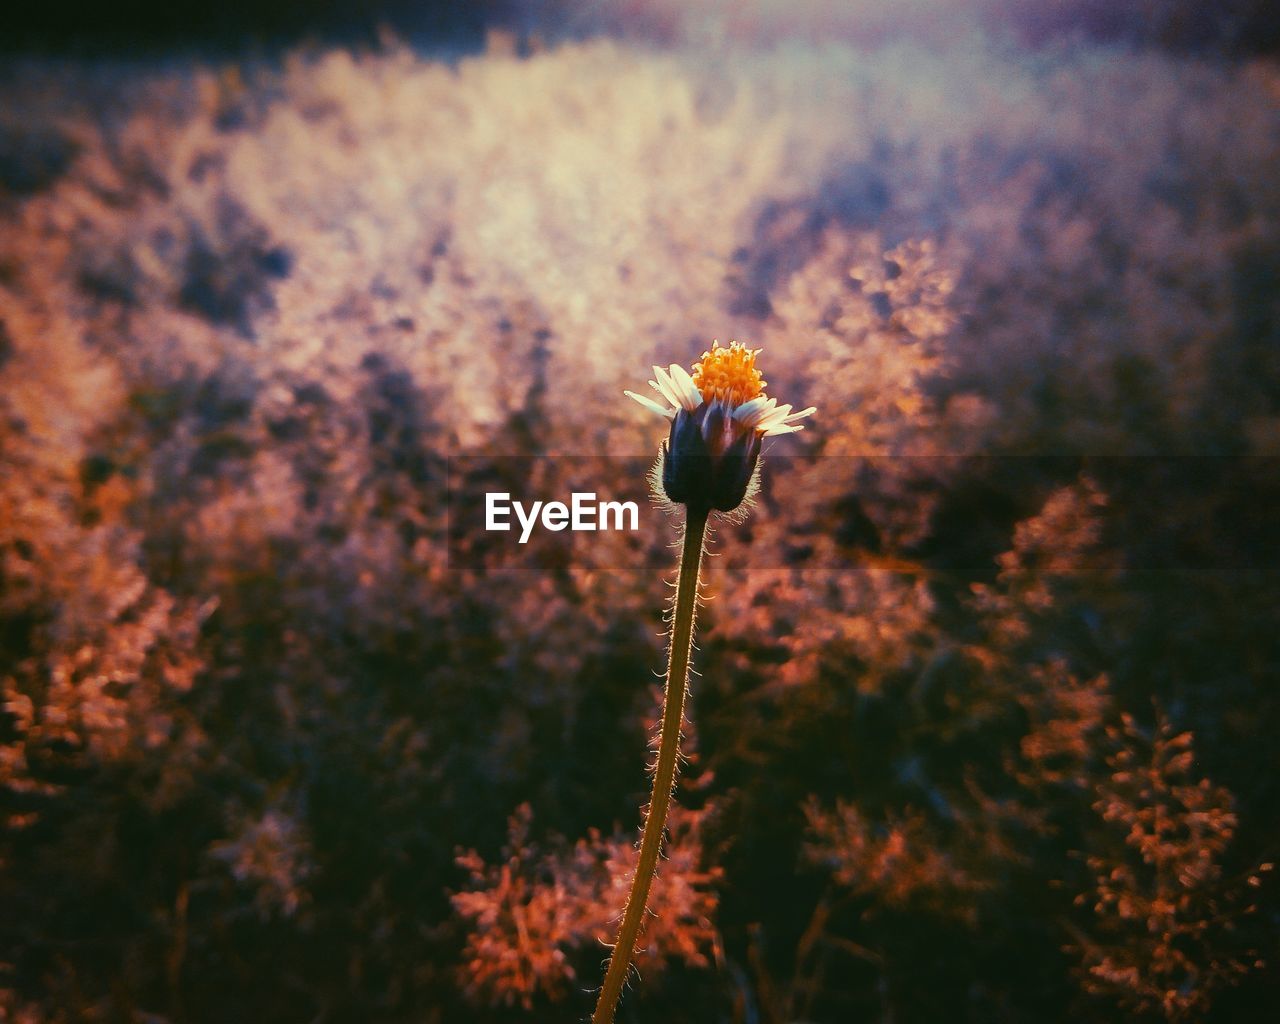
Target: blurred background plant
<point x="278" y="743"/>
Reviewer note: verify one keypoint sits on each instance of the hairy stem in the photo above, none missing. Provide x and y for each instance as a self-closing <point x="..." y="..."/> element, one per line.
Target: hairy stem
<point x="664" y="776"/>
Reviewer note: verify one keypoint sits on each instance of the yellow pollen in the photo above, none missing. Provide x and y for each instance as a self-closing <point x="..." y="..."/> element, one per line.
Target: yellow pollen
<point x="728" y="373"/>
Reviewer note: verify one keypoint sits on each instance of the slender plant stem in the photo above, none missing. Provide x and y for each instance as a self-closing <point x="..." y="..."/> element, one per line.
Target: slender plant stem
<point x="664" y="776"/>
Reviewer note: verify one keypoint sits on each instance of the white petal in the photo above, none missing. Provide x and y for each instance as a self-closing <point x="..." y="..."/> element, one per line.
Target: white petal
<point x="768" y="417"/>
<point x="781" y="428"/>
<point x="665" y="386"/>
<point x="648" y="403"/>
<point x="757" y="411"/>
<point x="747" y="410"/>
<point x="687" y="391"/>
<point x="802" y="413"/>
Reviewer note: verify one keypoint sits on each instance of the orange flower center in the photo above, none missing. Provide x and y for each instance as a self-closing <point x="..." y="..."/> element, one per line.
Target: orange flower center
<point x="728" y="373"/>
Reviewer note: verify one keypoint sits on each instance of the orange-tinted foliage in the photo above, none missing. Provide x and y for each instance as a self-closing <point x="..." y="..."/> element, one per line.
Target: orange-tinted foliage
<point x="281" y="740"/>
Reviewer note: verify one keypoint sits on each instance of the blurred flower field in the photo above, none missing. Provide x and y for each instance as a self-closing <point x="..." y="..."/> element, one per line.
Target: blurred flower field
<point x="984" y="723"/>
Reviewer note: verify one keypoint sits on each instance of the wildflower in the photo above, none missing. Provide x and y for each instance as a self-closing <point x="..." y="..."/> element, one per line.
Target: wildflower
<point x="719" y="416"/>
